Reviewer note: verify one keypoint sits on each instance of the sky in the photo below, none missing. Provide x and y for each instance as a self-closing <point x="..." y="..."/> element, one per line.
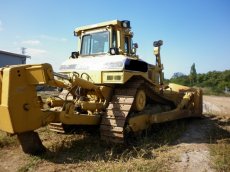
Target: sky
<point x="195" y="31"/>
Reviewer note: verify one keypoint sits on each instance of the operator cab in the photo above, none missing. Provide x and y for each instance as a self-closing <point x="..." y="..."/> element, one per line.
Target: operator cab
<point x="105" y="46"/>
<point x="112" y="38"/>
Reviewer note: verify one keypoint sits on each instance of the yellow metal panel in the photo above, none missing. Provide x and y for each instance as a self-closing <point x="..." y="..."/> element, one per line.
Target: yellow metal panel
<point x="39" y="74"/>
<point x="110" y="77"/>
<point x="198" y="99"/>
<point x="95" y="76"/>
<point x="36" y="76"/>
<point x="70" y="117"/>
<point x="5" y="120"/>
<point x="0" y="84"/>
<point x="20" y="108"/>
<point x="94" y="26"/>
<point x="82" y="119"/>
<point x="91" y="106"/>
<point x="143" y="121"/>
<point x="130" y="74"/>
<point x="177" y="88"/>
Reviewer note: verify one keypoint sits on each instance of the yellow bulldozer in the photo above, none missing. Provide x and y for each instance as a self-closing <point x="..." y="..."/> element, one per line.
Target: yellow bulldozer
<point x="102" y="84"/>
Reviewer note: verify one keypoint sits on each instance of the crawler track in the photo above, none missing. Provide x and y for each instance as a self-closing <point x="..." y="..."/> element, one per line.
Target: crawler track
<point x="56" y="127"/>
<point x="112" y="128"/>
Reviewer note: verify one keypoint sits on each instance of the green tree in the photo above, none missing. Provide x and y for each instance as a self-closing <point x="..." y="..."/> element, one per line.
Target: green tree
<point x="215" y="81"/>
<point x="193" y="75"/>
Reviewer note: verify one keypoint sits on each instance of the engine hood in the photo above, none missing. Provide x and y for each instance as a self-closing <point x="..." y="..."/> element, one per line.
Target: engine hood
<point x="94" y="63"/>
<point x="103" y="63"/>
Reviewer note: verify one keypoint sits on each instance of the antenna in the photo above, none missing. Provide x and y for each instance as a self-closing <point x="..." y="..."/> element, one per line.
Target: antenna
<point x="23" y="50"/>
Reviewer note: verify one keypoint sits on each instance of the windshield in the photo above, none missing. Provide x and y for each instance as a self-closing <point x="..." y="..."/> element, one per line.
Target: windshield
<point x="95" y="43"/>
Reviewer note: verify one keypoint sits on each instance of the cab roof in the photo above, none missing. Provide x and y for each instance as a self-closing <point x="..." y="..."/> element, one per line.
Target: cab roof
<point x="78" y="30"/>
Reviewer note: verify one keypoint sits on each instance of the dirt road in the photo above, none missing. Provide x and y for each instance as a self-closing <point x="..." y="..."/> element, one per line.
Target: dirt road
<point x="216" y="105"/>
<point x="189" y="152"/>
<point x="192" y="146"/>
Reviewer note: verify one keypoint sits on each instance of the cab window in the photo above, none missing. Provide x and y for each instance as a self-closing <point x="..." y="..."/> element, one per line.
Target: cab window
<point x="95" y="43"/>
<point x="127" y="45"/>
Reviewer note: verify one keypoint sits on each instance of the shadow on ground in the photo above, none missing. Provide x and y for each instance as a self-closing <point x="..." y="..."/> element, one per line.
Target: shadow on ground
<point x="89" y="148"/>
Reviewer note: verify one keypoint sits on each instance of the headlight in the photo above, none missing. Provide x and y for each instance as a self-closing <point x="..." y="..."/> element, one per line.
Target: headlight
<point x="126" y="24"/>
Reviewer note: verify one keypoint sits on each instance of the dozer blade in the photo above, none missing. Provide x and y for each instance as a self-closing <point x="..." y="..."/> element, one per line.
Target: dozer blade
<point x="187" y="98"/>
<point x="188" y="103"/>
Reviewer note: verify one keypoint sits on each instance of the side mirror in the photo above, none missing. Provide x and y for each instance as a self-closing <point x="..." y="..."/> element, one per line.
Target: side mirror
<point x="75" y="55"/>
<point x="125" y="24"/>
<point x="135" y="45"/>
<point x="114" y="51"/>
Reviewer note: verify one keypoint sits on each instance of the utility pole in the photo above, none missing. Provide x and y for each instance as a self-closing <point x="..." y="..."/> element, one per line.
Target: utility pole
<point x="23" y="49"/>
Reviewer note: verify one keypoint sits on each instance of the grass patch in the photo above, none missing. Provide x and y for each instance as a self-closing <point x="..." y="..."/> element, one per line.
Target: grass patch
<point x="6" y="140"/>
<point x="88" y="147"/>
<point x="86" y="152"/>
<point x="211" y="92"/>
<point x="220" y="153"/>
<point x="32" y="162"/>
<point x="220" y="145"/>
